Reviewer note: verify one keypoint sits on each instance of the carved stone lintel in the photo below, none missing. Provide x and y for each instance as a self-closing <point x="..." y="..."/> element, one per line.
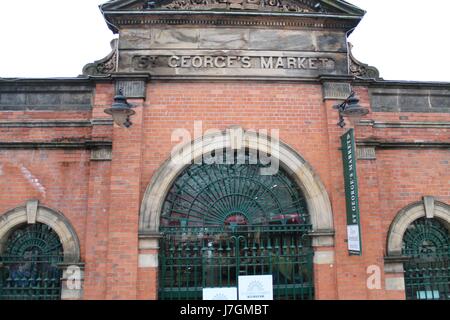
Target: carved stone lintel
<point x="362" y="70"/>
<point x="366" y="153"/>
<point x="336" y="90"/>
<point x="101" y="154"/>
<point x="105" y="66"/>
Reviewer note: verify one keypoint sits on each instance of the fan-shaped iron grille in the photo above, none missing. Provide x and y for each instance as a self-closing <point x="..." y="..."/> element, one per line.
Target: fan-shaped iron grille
<point x="223" y="194"/>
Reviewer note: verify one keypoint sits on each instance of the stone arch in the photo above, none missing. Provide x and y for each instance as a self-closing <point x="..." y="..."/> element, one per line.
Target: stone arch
<point x="426" y="208"/>
<point x="32" y="213"/>
<point x="317" y="199"/>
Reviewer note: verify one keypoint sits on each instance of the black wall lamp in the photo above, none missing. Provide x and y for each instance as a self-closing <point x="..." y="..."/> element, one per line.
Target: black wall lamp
<point x="351" y="109"/>
<point x="121" y="110"/>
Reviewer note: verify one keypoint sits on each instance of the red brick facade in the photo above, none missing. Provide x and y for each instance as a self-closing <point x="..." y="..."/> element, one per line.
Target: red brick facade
<point x="102" y="198"/>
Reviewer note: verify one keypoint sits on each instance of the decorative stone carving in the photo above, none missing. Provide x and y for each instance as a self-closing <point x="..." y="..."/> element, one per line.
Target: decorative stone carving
<point x="338" y="14"/>
<point x="313" y="6"/>
<point x="303" y="6"/>
<point x="362" y="70"/>
<point x="105" y="66"/>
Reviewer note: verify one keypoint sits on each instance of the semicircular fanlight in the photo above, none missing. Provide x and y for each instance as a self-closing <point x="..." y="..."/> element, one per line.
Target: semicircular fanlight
<point x="227" y="194"/>
<point x="37" y="239"/>
<point x="425" y="236"/>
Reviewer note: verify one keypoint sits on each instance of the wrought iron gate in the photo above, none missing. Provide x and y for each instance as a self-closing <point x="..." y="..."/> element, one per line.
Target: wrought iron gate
<point x="29" y="265"/>
<point x="427" y="272"/>
<point x="221" y="221"/>
<point x="193" y="259"/>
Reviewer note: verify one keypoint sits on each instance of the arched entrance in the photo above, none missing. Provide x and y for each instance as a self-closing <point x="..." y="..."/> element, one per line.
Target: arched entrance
<point x="316" y="196"/>
<point x="222" y="221"/>
<point x="229" y="231"/>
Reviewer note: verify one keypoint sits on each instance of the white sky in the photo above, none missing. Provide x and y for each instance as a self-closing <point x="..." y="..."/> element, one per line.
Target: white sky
<point x="404" y="39"/>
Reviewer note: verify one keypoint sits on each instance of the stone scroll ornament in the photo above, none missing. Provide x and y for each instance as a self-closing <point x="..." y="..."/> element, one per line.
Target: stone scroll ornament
<point x="302" y="6"/>
<point x="105" y="66"/>
<point x="362" y="70"/>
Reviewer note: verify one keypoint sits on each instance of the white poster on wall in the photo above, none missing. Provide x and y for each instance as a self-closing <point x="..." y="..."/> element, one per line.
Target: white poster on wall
<point x="353" y="238"/>
<point x="220" y="294"/>
<point x="256" y="287"/>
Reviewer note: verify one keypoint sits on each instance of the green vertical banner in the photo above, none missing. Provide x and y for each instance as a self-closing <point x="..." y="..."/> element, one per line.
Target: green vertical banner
<point x="351" y="193"/>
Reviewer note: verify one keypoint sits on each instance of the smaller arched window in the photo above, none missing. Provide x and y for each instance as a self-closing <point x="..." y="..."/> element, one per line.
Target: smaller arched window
<point x="427" y="271"/>
<point x="30" y="261"/>
<point x="419" y="239"/>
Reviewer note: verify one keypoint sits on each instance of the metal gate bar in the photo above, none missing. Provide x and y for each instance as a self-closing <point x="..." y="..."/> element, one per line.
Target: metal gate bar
<point x="428" y="280"/>
<point x="195" y="258"/>
<point x="33" y="278"/>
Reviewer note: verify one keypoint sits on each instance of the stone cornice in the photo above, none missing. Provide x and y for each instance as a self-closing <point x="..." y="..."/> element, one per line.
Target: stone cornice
<point x="45" y="124"/>
<point x="55" y="144"/>
<point x="372" y="83"/>
<point x="219" y="18"/>
<point x="403" y="144"/>
<point x="47" y="81"/>
<point x="55" y="123"/>
<point x="91" y="80"/>
<point x="404" y="124"/>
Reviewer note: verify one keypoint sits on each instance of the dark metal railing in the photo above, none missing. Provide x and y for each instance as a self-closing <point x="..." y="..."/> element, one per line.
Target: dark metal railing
<point x="427" y="277"/>
<point x="194" y="258"/>
<point x="30" y="278"/>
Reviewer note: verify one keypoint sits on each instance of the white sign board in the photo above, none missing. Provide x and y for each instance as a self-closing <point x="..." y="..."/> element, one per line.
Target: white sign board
<point x="220" y="294"/>
<point x="353" y="238"/>
<point x="256" y="287"/>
